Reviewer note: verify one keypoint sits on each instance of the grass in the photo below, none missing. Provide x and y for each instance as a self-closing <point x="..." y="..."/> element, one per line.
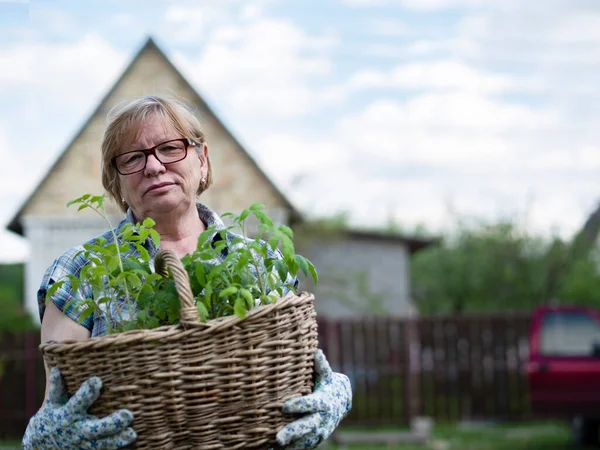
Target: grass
<point x="528" y="436"/>
<point x="6" y="445"/>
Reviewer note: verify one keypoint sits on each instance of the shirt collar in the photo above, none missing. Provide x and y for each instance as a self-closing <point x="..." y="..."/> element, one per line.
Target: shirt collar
<point x="207" y="215"/>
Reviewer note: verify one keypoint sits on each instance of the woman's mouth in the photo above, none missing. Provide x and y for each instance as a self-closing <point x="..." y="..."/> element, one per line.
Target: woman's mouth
<point x="159" y="187"/>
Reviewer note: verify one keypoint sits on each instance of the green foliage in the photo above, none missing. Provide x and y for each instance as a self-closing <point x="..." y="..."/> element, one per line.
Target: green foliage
<point x="13" y="316"/>
<point x="226" y="278"/>
<point x="497" y="267"/>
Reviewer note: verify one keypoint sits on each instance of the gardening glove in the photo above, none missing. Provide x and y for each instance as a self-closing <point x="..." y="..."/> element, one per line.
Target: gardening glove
<point x="329" y="403"/>
<point x="66" y="425"/>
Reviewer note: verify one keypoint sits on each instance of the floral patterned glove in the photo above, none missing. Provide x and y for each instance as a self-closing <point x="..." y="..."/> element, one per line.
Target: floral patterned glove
<point x="63" y="424"/>
<point x="329" y="403"/>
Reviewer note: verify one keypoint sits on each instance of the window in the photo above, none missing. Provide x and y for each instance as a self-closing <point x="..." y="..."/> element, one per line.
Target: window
<point x="569" y="334"/>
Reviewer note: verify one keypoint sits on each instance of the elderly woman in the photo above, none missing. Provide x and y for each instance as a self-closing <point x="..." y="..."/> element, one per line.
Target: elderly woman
<point x="155" y="164"/>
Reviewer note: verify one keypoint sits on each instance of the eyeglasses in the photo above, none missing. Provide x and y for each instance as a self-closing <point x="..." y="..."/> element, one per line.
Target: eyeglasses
<point x="168" y="152"/>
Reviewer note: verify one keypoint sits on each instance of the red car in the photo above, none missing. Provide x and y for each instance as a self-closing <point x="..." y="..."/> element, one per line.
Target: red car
<point x="564" y="367"/>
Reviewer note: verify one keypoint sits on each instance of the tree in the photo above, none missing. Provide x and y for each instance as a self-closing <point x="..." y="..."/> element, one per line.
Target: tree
<point x="13" y="316"/>
<point x="498" y="267"/>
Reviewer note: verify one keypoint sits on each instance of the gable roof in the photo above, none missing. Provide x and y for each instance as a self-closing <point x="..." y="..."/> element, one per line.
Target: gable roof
<point x="412" y="243"/>
<point x="15" y="224"/>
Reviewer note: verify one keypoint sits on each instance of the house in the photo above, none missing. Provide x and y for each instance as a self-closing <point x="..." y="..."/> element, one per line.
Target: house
<point x="365" y="259"/>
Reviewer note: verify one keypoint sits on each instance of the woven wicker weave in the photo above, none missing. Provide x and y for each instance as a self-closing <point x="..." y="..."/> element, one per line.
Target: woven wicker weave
<point x="213" y="385"/>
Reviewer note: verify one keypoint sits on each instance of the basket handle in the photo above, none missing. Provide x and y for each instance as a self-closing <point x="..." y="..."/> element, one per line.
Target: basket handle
<point x="163" y="261"/>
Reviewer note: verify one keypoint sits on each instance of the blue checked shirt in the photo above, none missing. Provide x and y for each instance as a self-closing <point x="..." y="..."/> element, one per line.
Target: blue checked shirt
<point x="72" y="261"/>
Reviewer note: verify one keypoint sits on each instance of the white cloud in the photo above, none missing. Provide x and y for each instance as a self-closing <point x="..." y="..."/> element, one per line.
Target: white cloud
<point x="189" y="24"/>
<point x="445" y="75"/>
<point x="389" y="27"/>
<point x="123" y="20"/>
<point x="262" y="68"/>
<point x="65" y="74"/>
<point x="13" y="188"/>
<point x="427" y="5"/>
<point x="558" y="33"/>
<point x="483" y="155"/>
<point x="310" y="157"/>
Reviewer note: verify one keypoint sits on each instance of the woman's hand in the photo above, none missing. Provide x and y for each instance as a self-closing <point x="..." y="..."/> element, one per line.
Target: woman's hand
<point x="329" y="403"/>
<point x="62" y="424"/>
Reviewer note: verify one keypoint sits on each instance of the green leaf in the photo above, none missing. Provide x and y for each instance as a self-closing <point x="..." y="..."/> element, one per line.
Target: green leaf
<point x="287" y="231"/>
<point x="287" y="248"/>
<point x="203" y="238"/>
<point x="242" y="262"/>
<point x="88" y="310"/>
<point x="113" y="263"/>
<point x="245" y="293"/>
<point x="313" y="272"/>
<point x="134" y="281"/>
<point x="144" y="233"/>
<point x="82" y="206"/>
<point x="274" y="241"/>
<point x="202" y="311"/>
<point x="98" y="199"/>
<point x="143" y="252"/>
<point x="244" y="215"/>
<point x="264" y="219"/>
<point x="282" y="269"/>
<point x="256" y="207"/>
<point x="240" y="308"/>
<point x="215" y="272"/>
<point x="155" y="238"/>
<point x="53" y="288"/>
<point x="228" y="291"/>
<point x="103" y="300"/>
<point x="200" y="274"/>
<point x="148" y="222"/>
<point x="142" y="315"/>
<point x="302" y="264"/>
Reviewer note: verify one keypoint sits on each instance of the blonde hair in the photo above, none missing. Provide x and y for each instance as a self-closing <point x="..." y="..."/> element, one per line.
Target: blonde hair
<point x="123" y="126"/>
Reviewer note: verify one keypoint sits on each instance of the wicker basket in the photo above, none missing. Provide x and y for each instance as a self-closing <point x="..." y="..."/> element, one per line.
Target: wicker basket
<point x="213" y="385"/>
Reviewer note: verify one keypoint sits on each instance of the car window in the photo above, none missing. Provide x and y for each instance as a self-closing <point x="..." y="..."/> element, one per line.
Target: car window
<point x="569" y="334"/>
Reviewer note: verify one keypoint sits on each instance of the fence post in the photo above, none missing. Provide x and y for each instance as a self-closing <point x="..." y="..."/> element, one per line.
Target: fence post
<point x="30" y="373"/>
<point x="412" y="385"/>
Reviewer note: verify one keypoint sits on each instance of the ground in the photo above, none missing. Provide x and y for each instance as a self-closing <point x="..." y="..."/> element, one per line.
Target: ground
<point x="528" y="436"/>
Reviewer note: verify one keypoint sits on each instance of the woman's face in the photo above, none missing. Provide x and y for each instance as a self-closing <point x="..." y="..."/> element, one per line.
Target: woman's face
<point x="162" y="189"/>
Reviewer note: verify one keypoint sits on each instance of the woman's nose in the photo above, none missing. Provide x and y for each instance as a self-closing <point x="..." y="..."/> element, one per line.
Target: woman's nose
<point x="153" y="165"/>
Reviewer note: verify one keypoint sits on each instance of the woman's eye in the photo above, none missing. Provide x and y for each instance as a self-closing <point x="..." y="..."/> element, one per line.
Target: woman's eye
<point x="133" y="158"/>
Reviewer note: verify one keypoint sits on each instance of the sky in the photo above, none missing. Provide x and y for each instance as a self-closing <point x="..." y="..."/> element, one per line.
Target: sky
<point x="410" y="111"/>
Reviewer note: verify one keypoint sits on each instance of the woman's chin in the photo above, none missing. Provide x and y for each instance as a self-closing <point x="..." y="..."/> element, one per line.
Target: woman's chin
<point x="166" y="203"/>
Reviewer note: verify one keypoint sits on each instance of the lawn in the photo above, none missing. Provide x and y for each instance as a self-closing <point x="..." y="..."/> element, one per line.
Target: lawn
<point x="530" y="436"/>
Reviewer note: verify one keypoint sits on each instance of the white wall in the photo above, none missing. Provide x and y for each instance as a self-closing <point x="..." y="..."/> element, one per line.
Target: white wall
<point x="49" y="237"/>
<point x="360" y="276"/>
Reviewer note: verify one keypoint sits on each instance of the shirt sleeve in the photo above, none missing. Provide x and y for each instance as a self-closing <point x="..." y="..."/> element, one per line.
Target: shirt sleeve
<point x="70" y="263"/>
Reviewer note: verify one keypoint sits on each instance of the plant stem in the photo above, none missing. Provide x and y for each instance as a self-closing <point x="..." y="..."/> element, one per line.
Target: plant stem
<point x="247" y="244"/>
<point x="116" y="242"/>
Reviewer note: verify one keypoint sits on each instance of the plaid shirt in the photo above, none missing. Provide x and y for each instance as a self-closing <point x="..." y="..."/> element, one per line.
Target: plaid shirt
<point x="72" y="261"/>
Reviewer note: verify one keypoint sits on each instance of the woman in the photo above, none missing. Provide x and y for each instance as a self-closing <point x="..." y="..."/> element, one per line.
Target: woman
<point x="154" y="164"/>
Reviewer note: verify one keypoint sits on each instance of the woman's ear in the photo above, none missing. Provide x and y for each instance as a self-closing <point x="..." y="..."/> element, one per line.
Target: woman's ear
<point x="203" y="155"/>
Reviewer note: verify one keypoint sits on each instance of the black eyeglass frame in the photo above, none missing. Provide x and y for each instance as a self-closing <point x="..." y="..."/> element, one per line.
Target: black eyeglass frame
<point x="152" y="151"/>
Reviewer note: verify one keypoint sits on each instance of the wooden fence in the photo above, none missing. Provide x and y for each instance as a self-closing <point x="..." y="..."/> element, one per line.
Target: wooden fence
<point x="450" y="368"/>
